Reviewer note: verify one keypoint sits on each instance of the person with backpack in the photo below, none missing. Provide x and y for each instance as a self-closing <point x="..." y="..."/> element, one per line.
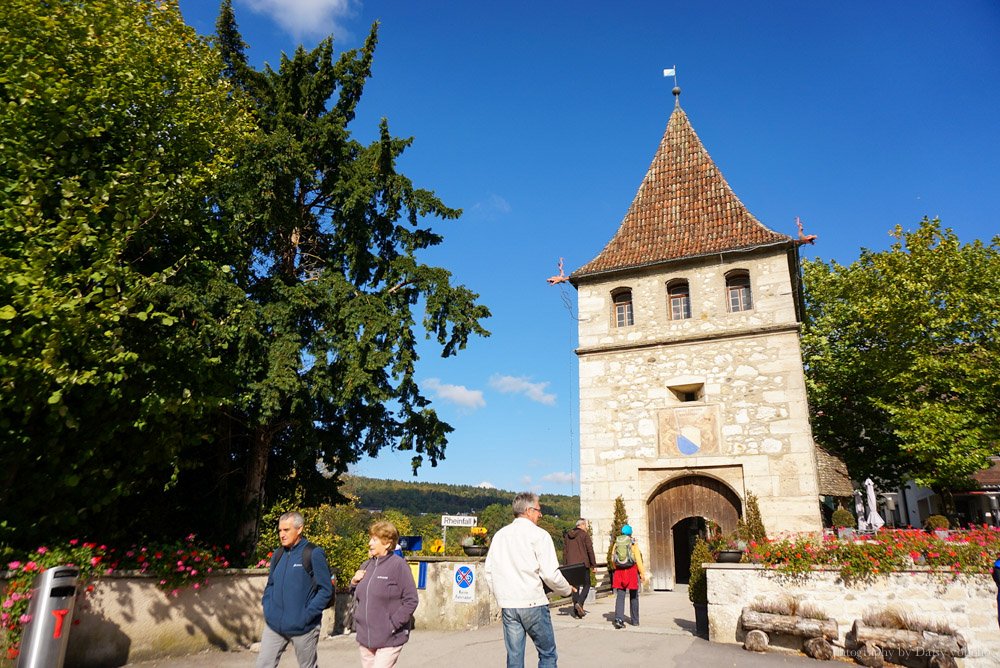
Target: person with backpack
<point x="626" y="560"/>
<point x="298" y="589"/>
<point x="385" y="597"/>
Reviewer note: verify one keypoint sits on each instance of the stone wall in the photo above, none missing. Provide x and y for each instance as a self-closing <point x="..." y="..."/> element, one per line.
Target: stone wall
<point x="439" y="610"/>
<point x="967" y="603"/>
<point x="128" y="618"/>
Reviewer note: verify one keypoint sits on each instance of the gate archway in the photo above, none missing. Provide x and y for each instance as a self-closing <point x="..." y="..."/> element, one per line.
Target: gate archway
<point x="677" y="501"/>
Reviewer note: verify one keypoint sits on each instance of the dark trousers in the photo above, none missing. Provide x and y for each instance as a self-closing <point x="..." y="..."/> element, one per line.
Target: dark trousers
<point x="580" y="596"/>
<point x="633" y="603"/>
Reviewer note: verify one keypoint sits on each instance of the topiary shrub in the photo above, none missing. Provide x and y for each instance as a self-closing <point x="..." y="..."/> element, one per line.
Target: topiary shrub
<point x="620" y="520"/>
<point x="750" y="527"/>
<point x="842" y="518"/>
<point x="937" y="523"/>
<point x="698" y="584"/>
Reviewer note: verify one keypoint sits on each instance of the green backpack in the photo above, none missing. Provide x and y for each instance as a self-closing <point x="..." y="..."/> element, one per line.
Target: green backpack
<point x="622" y="555"/>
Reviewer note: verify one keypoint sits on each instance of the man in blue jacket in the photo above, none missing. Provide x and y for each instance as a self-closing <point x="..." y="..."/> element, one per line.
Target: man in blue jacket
<point x="294" y="598"/>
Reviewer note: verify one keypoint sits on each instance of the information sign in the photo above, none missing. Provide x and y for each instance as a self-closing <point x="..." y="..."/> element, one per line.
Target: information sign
<point x="458" y="520"/>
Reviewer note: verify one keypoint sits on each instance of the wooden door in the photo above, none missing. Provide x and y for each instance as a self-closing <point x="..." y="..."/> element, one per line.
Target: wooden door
<point x="679" y="499"/>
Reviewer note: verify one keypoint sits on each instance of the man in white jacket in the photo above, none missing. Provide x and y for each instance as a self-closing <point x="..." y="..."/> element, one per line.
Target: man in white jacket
<point x="520" y="558"/>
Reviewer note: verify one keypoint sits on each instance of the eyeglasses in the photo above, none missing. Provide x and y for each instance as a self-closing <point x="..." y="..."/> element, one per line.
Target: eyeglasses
<point x="537" y="510"/>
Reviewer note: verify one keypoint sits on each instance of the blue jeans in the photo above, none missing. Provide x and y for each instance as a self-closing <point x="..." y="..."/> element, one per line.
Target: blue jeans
<point x="536" y="623"/>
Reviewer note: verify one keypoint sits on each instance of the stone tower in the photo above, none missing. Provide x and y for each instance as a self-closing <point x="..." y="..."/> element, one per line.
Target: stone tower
<point x="692" y="390"/>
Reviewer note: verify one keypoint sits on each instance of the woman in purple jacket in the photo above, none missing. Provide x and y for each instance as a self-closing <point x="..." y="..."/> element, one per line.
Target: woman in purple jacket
<point x="385" y="597"/>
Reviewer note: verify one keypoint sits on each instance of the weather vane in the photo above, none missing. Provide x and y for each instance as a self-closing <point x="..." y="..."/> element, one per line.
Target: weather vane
<point x="672" y="72"/>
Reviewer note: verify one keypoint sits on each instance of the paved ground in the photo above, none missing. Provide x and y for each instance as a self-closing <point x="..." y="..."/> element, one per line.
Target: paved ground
<point x="665" y="637"/>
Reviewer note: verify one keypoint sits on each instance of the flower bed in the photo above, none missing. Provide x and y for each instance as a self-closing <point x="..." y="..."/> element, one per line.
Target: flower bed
<point x="969" y="551"/>
<point x="182" y="564"/>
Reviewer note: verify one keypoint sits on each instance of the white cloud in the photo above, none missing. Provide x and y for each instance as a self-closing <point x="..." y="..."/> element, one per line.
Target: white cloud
<point x="486" y="485"/>
<point x="317" y="18"/>
<point x="492" y="208"/>
<point x="457" y="394"/>
<point x="560" y="477"/>
<point x="522" y="385"/>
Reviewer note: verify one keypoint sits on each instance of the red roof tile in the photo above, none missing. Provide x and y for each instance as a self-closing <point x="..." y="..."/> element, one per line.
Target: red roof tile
<point x="684" y="208"/>
<point x="989" y="477"/>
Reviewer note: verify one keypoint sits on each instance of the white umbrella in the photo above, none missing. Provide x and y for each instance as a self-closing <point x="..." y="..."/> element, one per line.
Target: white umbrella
<point x="859" y="511"/>
<point x="875" y="521"/>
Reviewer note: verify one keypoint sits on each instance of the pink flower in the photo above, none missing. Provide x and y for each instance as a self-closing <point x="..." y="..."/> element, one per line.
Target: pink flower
<point x="74" y="541"/>
<point x="94" y="561"/>
<point x="196" y="585"/>
<point x="16" y="596"/>
<point x="30" y="566"/>
<point x="43" y="550"/>
<point x="9" y="603"/>
<point x="14" y="565"/>
<point x="24" y="619"/>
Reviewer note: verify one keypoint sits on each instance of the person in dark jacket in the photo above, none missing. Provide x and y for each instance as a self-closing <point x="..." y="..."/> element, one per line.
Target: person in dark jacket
<point x="293" y="600"/>
<point x="578" y="548"/>
<point x="996" y="580"/>
<point x="385" y="597"/>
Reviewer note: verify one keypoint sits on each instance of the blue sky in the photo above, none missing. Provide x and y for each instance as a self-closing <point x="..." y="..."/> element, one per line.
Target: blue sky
<point x="539" y="119"/>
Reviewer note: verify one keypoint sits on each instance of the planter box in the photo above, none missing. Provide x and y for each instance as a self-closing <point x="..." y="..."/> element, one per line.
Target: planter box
<point x="967" y="602"/>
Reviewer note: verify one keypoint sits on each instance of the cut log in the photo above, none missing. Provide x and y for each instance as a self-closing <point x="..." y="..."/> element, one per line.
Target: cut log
<point x="790" y="624"/>
<point x="818" y="648"/>
<point x="756" y="641"/>
<point x="910" y="641"/>
<point x="942" y="661"/>
<point x="869" y="655"/>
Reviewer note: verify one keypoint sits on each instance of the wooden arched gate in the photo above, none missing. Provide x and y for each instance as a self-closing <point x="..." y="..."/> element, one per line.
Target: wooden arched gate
<point x="690" y="496"/>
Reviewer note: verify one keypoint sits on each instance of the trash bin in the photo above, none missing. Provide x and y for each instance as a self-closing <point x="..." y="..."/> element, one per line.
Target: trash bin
<point x="46" y="634"/>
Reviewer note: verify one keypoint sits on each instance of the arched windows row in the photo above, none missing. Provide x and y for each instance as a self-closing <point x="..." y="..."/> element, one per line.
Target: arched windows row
<point x="739" y="297"/>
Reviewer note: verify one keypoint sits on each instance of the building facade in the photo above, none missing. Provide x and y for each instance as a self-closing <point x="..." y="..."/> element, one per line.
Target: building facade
<point x="692" y="391"/>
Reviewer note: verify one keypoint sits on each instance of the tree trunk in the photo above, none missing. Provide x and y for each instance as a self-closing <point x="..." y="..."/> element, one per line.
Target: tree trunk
<point x="790" y="624"/>
<point x="756" y="641"/>
<point x="942" y="661"/>
<point x="909" y="641"/>
<point x="869" y="655"/>
<point x="818" y="648"/>
<point x="253" y="487"/>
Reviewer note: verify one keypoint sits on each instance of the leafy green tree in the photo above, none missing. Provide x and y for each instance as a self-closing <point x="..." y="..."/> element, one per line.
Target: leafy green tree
<point x="902" y="358"/>
<point x="115" y="301"/>
<point x="496" y="516"/>
<point x="334" y="286"/>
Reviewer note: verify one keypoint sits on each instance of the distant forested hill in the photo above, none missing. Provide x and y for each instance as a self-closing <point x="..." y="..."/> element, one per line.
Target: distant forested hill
<point x="414" y="498"/>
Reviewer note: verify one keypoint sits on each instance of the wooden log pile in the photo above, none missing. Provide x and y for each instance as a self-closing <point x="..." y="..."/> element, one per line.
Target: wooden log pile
<point x="871" y="642"/>
<point x="817" y="632"/>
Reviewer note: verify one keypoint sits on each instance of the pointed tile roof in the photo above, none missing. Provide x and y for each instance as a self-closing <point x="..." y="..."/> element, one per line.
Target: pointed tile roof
<point x="684" y="208"/>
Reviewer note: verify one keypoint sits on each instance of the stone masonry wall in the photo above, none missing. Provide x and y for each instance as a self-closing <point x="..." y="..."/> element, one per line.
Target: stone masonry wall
<point x="967" y="603"/>
<point x="753" y="424"/>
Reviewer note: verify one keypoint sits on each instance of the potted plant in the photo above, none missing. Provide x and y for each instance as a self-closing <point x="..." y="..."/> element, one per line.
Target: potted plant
<point x="698" y="586"/>
<point x="843" y="522"/>
<point x="939" y="524"/>
<point x="727" y="549"/>
<point x="477" y="543"/>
